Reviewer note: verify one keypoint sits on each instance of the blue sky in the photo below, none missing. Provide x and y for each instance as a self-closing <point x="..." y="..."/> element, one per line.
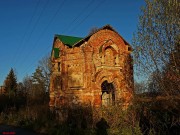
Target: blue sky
<point x="27" y="27"/>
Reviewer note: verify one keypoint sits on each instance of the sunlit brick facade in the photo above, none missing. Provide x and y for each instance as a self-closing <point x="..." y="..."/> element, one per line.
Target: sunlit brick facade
<point x="95" y="70"/>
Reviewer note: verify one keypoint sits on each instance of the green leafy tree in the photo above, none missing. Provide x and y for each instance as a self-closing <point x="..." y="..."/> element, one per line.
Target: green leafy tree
<point x="38" y="80"/>
<point x="38" y="88"/>
<point x="10" y="83"/>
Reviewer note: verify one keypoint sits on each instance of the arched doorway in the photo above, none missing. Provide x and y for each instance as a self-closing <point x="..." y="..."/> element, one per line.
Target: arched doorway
<point x="108" y="93"/>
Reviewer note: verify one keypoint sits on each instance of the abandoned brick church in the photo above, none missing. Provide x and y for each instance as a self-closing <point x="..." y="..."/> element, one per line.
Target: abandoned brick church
<point x="95" y="70"/>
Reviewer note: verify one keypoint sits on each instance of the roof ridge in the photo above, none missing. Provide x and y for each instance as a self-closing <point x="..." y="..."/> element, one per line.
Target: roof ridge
<point x="108" y="26"/>
<point x="67" y="36"/>
<point x="72" y="41"/>
<point x="68" y="40"/>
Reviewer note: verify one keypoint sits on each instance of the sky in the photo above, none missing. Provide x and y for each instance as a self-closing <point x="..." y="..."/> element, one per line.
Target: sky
<point x="27" y="27"/>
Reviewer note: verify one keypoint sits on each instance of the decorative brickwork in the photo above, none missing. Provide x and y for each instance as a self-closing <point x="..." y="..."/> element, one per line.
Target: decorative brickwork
<point x="96" y="70"/>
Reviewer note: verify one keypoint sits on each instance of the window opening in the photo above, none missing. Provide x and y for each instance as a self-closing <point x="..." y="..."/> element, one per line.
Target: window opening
<point x="108" y="94"/>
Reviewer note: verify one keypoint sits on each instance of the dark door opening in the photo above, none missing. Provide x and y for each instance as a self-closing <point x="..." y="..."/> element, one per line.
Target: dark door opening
<point x="108" y="93"/>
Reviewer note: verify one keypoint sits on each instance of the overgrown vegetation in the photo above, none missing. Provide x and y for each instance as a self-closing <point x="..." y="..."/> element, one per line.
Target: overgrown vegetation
<point x="156" y="55"/>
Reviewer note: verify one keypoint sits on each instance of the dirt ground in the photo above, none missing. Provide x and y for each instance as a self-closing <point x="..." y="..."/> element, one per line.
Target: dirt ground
<point x="5" y="129"/>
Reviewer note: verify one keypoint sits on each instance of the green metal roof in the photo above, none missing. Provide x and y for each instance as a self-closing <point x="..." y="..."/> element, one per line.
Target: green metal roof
<point x="68" y="40"/>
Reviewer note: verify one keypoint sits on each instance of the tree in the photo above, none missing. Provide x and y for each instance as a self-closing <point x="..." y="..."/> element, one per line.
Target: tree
<point x="156" y="55"/>
<point x="45" y="66"/>
<point x="38" y="88"/>
<point x="93" y="30"/>
<point x="10" y="83"/>
<point x="27" y="84"/>
<point x="157" y="33"/>
<point x="20" y="89"/>
<point x="154" y="83"/>
<point x="171" y="72"/>
<point x="139" y="87"/>
<point x="155" y="40"/>
<point x="38" y="81"/>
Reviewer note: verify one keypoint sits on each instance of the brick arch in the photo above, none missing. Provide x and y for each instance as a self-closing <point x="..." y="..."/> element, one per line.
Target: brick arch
<point x="113" y="46"/>
<point x="110" y="77"/>
<point x="103" y="75"/>
<point x="116" y="82"/>
<point x="107" y="38"/>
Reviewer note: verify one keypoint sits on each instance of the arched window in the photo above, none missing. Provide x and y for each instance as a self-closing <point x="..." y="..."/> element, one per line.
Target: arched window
<point x="108" y="93"/>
